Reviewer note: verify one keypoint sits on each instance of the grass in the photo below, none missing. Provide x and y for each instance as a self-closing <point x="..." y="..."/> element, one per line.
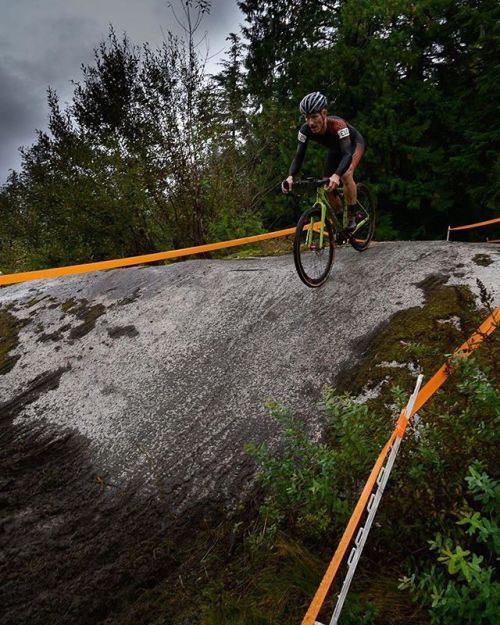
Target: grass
<point x="270" y="247"/>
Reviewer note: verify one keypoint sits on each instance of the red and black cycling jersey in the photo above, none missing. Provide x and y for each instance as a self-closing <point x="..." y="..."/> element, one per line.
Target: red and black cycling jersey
<point x="339" y="137"/>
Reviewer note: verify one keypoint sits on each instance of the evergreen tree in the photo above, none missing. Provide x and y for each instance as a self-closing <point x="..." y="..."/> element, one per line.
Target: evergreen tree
<point x="416" y="79"/>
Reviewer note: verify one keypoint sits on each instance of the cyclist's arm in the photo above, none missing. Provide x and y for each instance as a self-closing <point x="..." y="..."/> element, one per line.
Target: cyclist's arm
<point x="346" y="155"/>
<point x="299" y="155"/>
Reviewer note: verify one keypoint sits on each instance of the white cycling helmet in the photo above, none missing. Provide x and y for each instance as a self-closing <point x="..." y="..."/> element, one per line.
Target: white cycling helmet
<point x="313" y="103"/>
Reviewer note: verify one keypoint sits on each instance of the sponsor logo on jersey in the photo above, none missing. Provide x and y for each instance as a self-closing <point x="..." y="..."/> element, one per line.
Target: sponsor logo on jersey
<point x="343" y="132"/>
<point x="302" y="137"/>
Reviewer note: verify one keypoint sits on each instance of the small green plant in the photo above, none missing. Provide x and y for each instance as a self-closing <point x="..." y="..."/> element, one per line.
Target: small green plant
<point x="462" y="587"/>
<point x="358" y="612"/>
<point x="477" y="383"/>
<point x="300" y="483"/>
<point x="419" y="350"/>
<point x="485" y="297"/>
<point x="311" y="484"/>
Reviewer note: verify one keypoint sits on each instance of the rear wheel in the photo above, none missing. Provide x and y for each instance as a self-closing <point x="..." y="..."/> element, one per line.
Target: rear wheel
<point x="313" y="257"/>
<point x="365" y="218"/>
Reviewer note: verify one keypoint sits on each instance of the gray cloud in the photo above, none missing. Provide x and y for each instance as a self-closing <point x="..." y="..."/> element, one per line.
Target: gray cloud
<point x="20" y="113"/>
<point x="44" y="44"/>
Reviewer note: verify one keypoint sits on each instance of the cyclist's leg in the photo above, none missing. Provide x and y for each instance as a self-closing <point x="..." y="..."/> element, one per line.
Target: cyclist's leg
<point x="332" y="161"/>
<point x="350" y="190"/>
<point x="348" y="177"/>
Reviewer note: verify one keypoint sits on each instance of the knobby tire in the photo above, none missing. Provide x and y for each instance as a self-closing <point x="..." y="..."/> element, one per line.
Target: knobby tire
<point x="305" y="258"/>
<point x="361" y="240"/>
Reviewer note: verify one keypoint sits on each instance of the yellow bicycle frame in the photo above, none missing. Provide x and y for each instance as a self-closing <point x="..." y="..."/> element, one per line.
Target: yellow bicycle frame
<point x="322" y="202"/>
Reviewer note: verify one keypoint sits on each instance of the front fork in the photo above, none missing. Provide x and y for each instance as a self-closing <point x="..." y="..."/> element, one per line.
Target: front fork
<point x="321" y="226"/>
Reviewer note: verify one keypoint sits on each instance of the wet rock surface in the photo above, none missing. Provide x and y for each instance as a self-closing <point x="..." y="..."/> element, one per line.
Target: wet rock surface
<point x="128" y="396"/>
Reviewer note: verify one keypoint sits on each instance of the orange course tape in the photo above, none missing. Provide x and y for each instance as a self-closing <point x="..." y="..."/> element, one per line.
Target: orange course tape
<point x="484" y="330"/>
<point x="481" y="223"/>
<point x="137" y="260"/>
<point x="331" y="571"/>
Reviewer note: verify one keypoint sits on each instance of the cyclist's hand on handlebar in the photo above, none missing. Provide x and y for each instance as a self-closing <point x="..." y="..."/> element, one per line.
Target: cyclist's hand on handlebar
<point x="286" y="185"/>
<point x="333" y="182"/>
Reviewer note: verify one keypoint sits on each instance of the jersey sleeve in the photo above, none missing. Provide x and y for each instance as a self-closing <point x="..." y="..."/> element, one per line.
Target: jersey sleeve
<point x="344" y="136"/>
<point x="299" y="154"/>
<point x="343" y="133"/>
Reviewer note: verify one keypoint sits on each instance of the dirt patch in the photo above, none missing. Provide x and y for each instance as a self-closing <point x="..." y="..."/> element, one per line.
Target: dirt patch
<point x="86" y="313"/>
<point x="119" y="331"/>
<point x="41" y="384"/>
<point x="432" y="281"/>
<point x="415" y="340"/>
<point x="52" y="336"/>
<point x="34" y="300"/>
<point x="482" y="259"/>
<point x="130" y="299"/>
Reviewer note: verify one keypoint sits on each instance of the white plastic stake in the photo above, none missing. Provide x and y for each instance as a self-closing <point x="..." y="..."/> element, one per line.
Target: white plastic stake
<point x="372" y="507"/>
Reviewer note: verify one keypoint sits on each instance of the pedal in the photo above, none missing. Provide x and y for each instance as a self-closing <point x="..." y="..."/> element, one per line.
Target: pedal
<point x="340" y="238"/>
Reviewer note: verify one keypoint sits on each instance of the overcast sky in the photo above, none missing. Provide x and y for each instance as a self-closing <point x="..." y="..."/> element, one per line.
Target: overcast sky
<point x="45" y="42"/>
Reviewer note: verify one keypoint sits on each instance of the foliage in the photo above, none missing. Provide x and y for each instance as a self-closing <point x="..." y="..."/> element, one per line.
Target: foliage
<point x="463" y="588"/>
<point x="308" y="486"/>
<point x="427" y="482"/>
<point x="300" y="483"/>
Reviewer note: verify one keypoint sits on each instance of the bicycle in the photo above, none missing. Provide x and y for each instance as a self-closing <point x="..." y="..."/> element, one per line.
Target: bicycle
<point x="319" y="230"/>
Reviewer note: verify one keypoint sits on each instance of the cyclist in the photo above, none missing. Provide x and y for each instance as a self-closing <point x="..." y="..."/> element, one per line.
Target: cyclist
<point x="345" y="148"/>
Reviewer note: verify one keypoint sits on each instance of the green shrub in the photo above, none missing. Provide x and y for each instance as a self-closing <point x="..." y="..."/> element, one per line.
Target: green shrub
<point x="462" y="587"/>
<point x="310" y="486"/>
<point x="300" y="483"/>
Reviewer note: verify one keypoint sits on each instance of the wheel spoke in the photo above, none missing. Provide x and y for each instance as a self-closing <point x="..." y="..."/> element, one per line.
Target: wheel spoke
<point x="313" y="256"/>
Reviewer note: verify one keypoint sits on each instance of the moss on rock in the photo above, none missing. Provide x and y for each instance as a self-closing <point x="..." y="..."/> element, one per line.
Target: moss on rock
<point x="86" y="313"/>
<point x="415" y="340"/>
<point x="10" y="326"/>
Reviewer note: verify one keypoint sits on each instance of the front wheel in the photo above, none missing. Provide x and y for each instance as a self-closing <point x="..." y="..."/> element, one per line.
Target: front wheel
<point x="365" y="219"/>
<point x="313" y="257"/>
